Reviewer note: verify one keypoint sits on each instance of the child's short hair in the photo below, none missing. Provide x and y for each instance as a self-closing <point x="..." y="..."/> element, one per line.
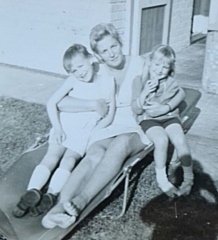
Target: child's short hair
<point x="100" y="31"/>
<point x="166" y="54"/>
<point x="72" y="52"/>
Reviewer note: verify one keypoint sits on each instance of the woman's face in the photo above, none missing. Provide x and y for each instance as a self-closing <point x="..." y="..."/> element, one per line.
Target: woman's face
<point x="110" y="51"/>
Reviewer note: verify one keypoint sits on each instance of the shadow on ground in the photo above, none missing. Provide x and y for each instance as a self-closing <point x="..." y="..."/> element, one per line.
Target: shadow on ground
<point x="193" y="217"/>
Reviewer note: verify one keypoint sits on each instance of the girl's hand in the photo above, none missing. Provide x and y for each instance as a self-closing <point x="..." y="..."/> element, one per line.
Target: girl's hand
<point x="151" y="85"/>
<point x="60" y="136"/>
<point x="101" y="107"/>
<point x="156" y="109"/>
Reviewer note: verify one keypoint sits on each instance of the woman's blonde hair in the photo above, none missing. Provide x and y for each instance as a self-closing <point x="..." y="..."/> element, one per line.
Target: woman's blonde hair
<point x="100" y="31"/>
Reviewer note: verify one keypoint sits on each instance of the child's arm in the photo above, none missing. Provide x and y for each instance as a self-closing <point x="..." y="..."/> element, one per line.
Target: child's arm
<point x="108" y="119"/>
<point x="52" y="109"/>
<point x="177" y="99"/>
<point x="71" y="104"/>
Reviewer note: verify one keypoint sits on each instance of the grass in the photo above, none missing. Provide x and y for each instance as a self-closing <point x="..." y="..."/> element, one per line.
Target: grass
<point x="150" y="214"/>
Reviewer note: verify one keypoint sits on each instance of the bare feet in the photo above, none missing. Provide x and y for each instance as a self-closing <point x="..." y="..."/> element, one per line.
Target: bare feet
<point x="75" y="206"/>
<point x="57" y="217"/>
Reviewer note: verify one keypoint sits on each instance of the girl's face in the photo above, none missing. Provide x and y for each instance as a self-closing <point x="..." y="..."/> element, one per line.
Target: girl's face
<point x="110" y="51"/>
<point x="81" y="68"/>
<point x="160" y="67"/>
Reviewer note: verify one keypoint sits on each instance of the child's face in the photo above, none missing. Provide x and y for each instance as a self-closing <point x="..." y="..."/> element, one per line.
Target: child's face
<point x="159" y="68"/>
<point x="81" y="68"/>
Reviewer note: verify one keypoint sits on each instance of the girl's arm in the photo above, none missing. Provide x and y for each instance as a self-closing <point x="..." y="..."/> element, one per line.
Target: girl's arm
<point x="108" y="119"/>
<point x="158" y="109"/>
<point x="177" y="99"/>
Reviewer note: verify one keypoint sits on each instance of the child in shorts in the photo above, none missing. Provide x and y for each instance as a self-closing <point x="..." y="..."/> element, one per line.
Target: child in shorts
<point x="70" y="131"/>
<point x="157" y="86"/>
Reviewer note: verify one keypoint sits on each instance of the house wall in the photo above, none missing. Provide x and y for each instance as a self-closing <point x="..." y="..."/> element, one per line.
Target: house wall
<point x="35" y="34"/>
<point x="210" y="74"/>
<point x="181" y="22"/>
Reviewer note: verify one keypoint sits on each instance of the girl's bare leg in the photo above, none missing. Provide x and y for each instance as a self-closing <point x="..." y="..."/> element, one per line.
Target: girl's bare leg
<point x="177" y="137"/>
<point x="160" y="139"/>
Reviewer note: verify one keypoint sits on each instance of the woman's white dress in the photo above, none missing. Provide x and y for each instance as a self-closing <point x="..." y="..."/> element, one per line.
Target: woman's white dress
<point x="124" y="121"/>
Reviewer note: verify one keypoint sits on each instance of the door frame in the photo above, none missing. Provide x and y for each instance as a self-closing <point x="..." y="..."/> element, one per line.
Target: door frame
<point x="137" y="16"/>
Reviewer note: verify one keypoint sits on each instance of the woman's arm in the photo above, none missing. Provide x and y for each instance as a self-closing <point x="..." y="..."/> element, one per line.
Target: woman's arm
<point x="136" y="92"/>
<point x="111" y="113"/>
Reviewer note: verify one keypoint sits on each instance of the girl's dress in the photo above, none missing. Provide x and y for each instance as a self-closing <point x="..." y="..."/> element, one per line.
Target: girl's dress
<point x="78" y="126"/>
<point x="124" y="121"/>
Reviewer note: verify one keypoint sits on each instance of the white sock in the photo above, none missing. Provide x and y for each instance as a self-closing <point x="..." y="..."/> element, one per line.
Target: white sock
<point x="188" y="172"/>
<point x="58" y="180"/>
<point x="39" y="177"/>
<point x="162" y="179"/>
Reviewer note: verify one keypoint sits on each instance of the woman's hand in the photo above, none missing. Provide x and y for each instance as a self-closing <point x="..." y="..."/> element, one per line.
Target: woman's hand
<point x="101" y="107"/>
<point x="59" y="136"/>
<point x="156" y="109"/>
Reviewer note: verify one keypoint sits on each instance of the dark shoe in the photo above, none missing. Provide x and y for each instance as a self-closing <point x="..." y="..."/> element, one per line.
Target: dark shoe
<point x="47" y="202"/>
<point x="29" y="199"/>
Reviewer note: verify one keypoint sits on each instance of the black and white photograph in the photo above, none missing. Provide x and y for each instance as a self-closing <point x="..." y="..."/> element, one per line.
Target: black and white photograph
<point x="109" y="120"/>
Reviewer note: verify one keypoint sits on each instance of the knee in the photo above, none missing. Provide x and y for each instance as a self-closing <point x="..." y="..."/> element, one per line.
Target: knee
<point x="50" y="161"/>
<point x="122" y="144"/>
<point x="180" y="142"/>
<point x="68" y="162"/>
<point x="94" y="155"/>
<point x="161" y="142"/>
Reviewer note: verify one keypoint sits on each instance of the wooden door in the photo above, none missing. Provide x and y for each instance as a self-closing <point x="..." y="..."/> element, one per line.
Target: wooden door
<point x="150" y="24"/>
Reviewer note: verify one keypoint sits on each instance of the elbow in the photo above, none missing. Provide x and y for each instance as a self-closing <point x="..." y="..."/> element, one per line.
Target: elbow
<point x="51" y="105"/>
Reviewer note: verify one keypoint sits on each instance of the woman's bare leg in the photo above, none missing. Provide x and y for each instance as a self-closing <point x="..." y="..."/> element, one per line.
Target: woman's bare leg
<point x="78" y="179"/>
<point x="119" y="149"/>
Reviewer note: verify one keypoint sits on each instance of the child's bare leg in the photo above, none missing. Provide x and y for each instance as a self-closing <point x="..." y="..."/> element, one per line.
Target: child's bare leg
<point x="38" y="179"/>
<point x="57" y="182"/>
<point x="159" y="137"/>
<point x="48" y="163"/>
<point x="177" y="137"/>
<point x="63" y="172"/>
